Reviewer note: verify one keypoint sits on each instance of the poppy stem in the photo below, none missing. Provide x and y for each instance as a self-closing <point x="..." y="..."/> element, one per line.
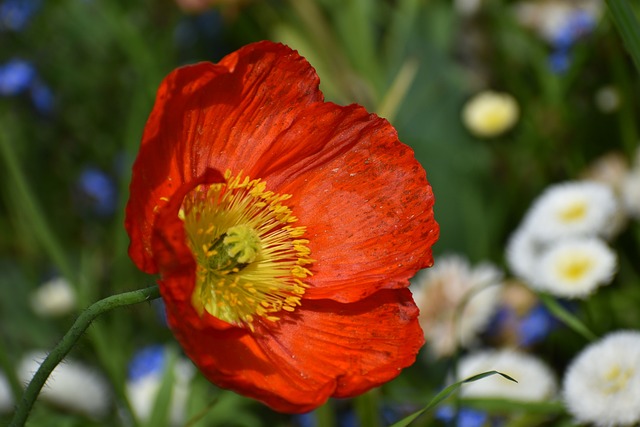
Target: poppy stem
<point x="69" y="340"/>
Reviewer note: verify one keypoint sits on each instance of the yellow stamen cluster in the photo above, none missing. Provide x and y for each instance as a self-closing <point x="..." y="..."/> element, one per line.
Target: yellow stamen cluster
<point x="251" y="261"/>
<point x="575" y="267"/>
<point x="616" y="379"/>
<point x="574" y="212"/>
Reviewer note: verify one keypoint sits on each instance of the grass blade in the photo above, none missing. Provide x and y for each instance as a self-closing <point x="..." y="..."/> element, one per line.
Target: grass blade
<point x="448" y="391"/>
<point x="628" y="26"/>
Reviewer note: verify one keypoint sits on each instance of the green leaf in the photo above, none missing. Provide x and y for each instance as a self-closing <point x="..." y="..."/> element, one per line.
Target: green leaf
<point x="326" y="415"/>
<point x="567" y="317"/>
<point x="402" y="20"/>
<point x="367" y="408"/>
<point x="448" y="391"/>
<point x="627" y="22"/>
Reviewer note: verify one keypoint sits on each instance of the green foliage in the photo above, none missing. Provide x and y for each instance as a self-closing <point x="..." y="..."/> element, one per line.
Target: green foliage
<point x="414" y="62"/>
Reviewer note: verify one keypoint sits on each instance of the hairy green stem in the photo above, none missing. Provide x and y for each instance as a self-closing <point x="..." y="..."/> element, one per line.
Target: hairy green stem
<point x="68" y="341"/>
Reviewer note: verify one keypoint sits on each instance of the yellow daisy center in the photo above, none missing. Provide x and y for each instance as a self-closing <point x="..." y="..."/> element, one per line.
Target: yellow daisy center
<point x="575" y="267"/>
<point x="616" y="379"/>
<point x="574" y="212"/>
<point x="251" y="261"/>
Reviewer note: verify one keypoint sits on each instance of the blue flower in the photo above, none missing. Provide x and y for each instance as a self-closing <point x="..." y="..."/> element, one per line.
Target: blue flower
<point x="161" y="311"/>
<point x="578" y="25"/>
<point x="42" y="97"/>
<point x="308" y="419"/>
<point x="465" y="418"/>
<point x="148" y="361"/>
<point x="348" y="418"/>
<point x="536" y="325"/>
<point x="16" y="76"/>
<point x="99" y="190"/>
<point x="16" y="14"/>
<point x="472" y="418"/>
<point x="560" y="61"/>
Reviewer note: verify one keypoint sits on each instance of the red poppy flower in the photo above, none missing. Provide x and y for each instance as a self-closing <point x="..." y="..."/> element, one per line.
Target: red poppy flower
<point x="284" y="229"/>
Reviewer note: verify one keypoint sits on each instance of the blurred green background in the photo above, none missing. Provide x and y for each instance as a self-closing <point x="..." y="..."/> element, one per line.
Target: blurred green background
<point x="78" y="80"/>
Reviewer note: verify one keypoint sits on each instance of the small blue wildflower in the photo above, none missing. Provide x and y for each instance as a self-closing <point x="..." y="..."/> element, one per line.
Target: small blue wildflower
<point x="160" y="310"/>
<point x="348" y="418"/>
<point x="42" y="97"/>
<point x="308" y="419"/>
<point x="472" y="418"/>
<point x="465" y="418"/>
<point x="393" y="412"/>
<point x="99" y="189"/>
<point x="16" y="76"/>
<point x="148" y="361"/>
<point x="579" y="24"/>
<point x="445" y="413"/>
<point x="559" y="61"/>
<point x="16" y="14"/>
<point x="536" y="325"/>
<point x="502" y="317"/>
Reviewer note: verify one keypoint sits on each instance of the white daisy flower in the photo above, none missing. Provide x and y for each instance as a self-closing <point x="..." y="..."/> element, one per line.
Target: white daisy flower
<point x="146" y="371"/>
<point x="574" y="268"/>
<point x="456" y="302"/>
<point x="490" y="114"/>
<point x="6" y="395"/>
<point x="602" y="384"/>
<point x="522" y="255"/>
<point x="72" y="385"/>
<point x="580" y="208"/>
<point x="53" y="298"/>
<point x="535" y="380"/>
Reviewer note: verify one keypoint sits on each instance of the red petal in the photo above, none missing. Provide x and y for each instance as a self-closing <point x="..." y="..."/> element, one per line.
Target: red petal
<point x="224" y="116"/>
<point x="360" y="192"/>
<point x="364" y="198"/>
<point x="323" y="349"/>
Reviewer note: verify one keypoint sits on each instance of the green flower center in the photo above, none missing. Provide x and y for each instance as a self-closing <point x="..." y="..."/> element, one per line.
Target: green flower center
<point x="251" y="261"/>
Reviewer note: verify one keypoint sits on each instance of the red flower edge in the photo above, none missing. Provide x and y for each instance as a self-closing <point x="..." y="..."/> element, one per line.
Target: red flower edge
<point x="360" y="193"/>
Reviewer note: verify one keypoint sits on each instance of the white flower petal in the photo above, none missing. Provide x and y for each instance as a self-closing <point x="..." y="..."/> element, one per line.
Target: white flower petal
<point x="602" y="384"/>
<point x="574" y="268"/>
<point x="522" y="255"/>
<point x="72" y="385"/>
<point x="6" y="395"/>
<point x="571" y="209"/>
<point x="53" y="298"/>
<point x="535" y="380"/>
<point x="440" y="293"/>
